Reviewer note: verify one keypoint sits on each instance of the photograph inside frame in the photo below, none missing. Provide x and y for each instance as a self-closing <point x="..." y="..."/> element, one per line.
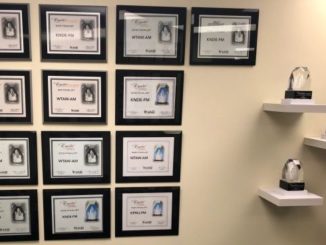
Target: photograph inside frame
<point x="150" y="35"/>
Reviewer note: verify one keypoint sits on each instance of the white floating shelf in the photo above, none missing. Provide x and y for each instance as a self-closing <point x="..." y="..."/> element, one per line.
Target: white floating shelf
<point x="284" y="198"/>
<point x="315" y="142"/>
<point x="278" y="107"/>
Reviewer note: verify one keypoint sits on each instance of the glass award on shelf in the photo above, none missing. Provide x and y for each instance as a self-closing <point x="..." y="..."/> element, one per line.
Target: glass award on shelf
<point x="292" y="176"/>
<point x="298" y="91"/>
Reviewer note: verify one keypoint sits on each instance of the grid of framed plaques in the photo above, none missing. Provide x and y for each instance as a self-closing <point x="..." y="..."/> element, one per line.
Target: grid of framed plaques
<point x="145" y="35"/>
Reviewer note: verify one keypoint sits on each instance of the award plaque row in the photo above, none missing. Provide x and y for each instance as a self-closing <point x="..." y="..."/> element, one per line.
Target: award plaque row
<point x="86" y="213"/>
<point x="144" y="34"/>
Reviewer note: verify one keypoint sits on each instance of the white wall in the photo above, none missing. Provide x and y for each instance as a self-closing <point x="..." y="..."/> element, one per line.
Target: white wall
<point x="230" y="146"/>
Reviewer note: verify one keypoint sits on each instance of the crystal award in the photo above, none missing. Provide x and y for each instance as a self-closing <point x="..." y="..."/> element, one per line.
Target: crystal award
<point x="299" y="84"/>
<point x="292" y="176"/>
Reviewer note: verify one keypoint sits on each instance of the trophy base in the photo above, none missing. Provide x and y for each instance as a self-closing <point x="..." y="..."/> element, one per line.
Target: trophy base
<point x="293" y="94"/>
<point x="299" y="186"/>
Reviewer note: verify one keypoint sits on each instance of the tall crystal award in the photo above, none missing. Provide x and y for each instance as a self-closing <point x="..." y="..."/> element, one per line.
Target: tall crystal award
<point x="292" y="176"/>
<point x="298" y="91"/>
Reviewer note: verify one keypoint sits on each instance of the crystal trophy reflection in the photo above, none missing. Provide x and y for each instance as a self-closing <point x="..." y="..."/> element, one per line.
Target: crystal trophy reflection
<point x="292" y="176"/>
<point x="298" y="91"/>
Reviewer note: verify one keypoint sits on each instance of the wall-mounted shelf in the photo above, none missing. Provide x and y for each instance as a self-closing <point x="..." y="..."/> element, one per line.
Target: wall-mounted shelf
<point x="315" y="142"/>
<point x="278" y="107"/>
<point x="284" y="198"/>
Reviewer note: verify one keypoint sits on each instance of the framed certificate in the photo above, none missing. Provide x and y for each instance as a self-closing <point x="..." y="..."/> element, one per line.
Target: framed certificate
<point x="148" y="211"/>
<point x="73" y="32"/>
<point x="150" y="35"/>
<point x="18" y="158"/>
<point x="148" y="97"/>
<point x="19" y="216"/>
<point x="15" y="97"/>
<point x="223" y="36"/>
<point x="76" y="157"/>
<point x="74" y="96"/>
<point x="76" y="214"/>
<point x="14" y="34"/>
<point x="148" y="156"/>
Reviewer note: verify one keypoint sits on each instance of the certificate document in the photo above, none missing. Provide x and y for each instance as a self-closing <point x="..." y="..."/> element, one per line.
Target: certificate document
<point x="149" y="97"/>
<point x="15" y="215"/>
<point x="11" y="34"/>
<point x="77" y="213"/>
<point x="12" y="96"/>
<point x="146" y="211"/>
<point x="76" y="157"/>
<point x="71" y="96"/>
<point x="14" y="158"/>
<point x="222" y="36"/>
<point x="150" y="35"/>
<point x="73" y="32"/>
<point x="152" y="156"/>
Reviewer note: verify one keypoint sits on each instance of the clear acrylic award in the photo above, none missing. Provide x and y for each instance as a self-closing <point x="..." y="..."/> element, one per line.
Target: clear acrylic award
<point x="298" y="91"/>
<point x="292" y="176"/>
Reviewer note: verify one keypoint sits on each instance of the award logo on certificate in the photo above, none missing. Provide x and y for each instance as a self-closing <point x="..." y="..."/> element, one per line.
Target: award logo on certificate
<point x="18" y="164"/>
<point x="76" y="214"/>
<point x="74" y="96"/>
<point x="224" y="36"/>
<point x="148" y="156"/>
<point x="14" y="32"/>
<point x="150" y="35"/>
<point x="73" y="32"/>
<point x="19" y="217"/>
<point x="147" y="211"/>
<point x="76" y="157"/>
<point x="148" y="97"/>
<point x="15" y="104"/>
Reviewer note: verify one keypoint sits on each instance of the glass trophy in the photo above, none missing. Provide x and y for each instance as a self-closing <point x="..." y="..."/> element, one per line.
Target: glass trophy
<point x="292" y="176"/>
<point x="299" y="91"/>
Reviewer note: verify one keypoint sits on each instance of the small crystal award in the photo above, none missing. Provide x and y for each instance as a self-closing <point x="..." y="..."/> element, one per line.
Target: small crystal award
<point x="299" y="91"/>
<point x="292" y="176"/>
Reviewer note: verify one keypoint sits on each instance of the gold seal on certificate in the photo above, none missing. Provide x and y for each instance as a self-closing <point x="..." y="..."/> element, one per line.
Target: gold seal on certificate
<point x="149" y="97"/>
<point x="73" y="32"/>
<point x="19" y="217"/>
<point x="18" y="158"/>
<point x="74" y="96"/>
<point x="224" y="36"/>
<point x="147" y="211"/>
<point x="77" y="213"/>
<point x="150" y="35"/>
<point x="76" y="157"/>
<point x="15" y="100"/>
<point x="14" y="32"/>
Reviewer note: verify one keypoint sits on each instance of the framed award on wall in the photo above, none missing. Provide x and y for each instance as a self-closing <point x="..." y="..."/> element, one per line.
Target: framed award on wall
<point x="76" y="157"/>
<point x="150" y="35"/>
<point x="14" y="34"/>
<point x="149" y="97"/>
<point x="221" y="36"/>
<point x="73" y="32"/>
<point x="147" y="211"/>
<point x="76" y="214"/>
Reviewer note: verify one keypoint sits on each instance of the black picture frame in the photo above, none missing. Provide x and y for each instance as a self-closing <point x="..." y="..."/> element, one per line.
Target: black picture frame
<point x="49" y="221"/>
<point x="49" y="176"/>
<point x="29" y="155"/>
<point x="175" y="117"/>
<point x="23" y="53"/>
<point x="163" y="158"/>
<point x="24" y="115"/>
<point x="97" y="81"/>
<point x="177" y="58"/>
<point x="246" y="41"/>
<point x="33" y="234"/>
<point x="174" y="215"/>
<point x="99" y="55"/>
